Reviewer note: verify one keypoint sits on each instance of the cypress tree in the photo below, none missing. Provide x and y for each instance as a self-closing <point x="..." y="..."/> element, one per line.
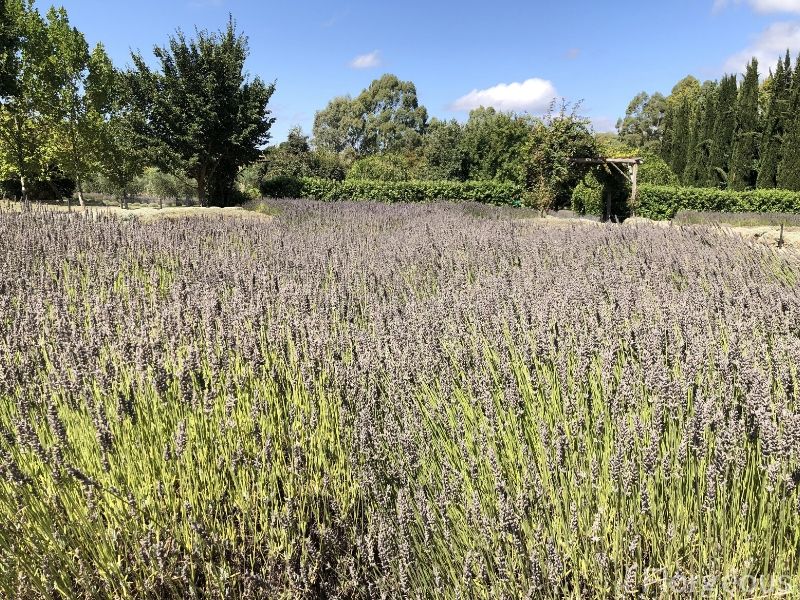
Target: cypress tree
<point x="681" y="136"/>
<point x="744" y="156"/>
<point x="789" y="167"/>
<point x="698" y="166"/>
<point x="774" y="124"/>
<point x="723" y="130"/>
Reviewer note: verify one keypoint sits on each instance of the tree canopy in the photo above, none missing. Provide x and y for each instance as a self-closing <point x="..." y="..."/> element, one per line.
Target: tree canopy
<point x="203" y="114"/>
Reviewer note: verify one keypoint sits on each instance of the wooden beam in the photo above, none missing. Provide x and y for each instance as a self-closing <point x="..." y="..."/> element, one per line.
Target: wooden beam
<point x="606" y="161"/>
<point x="634" y="187"/>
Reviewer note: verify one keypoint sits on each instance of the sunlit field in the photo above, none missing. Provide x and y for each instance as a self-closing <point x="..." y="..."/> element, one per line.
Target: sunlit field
<point x="386" y="401"/>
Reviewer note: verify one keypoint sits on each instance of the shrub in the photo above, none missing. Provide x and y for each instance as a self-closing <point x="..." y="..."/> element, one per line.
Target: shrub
<point x="663" y="202"/>
<point x="489" y="192"/>
<point x="587" y="197"/>
<point x="655" y="171"/>
<point x="382" y="167"/>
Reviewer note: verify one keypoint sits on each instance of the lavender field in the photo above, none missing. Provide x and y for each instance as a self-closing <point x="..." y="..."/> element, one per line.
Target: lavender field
<point x="394" y="401"/>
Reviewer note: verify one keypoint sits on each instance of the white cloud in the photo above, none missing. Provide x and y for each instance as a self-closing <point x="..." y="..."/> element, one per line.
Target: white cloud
<point x="767" y="47"/>
<point x="764" y="6"/>
<point x="533" y="95"/>
<point x="366" y="61"/>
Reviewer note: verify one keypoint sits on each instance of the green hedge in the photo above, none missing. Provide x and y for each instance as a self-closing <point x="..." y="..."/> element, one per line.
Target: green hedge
<point x="489" y="192"/>
<point x="663" y="202"/>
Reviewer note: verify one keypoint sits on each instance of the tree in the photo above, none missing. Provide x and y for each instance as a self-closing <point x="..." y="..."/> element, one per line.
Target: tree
<point x="337" y="127"/>
<point x="724" y="128"/>
<point x="295" y="158"/>
<point x="123" y="146"/>
<point x="774" y="124"/>
<point x="698" y="166"/>
<point x="204" y="116"/>
<point x="642" y="126"/>
<point x="384" y="117"/>
<point x="789" y="168"/>
<point x="744" y="157"/>
<point x="546" y="170"/>
<point x="10" y="43"/>
<point x="443" y="150"/>
<point x="677" y="123"/>
<point x="82" y="98"/>
<point x="492" y="144"/>
<point x="24" y="124"/>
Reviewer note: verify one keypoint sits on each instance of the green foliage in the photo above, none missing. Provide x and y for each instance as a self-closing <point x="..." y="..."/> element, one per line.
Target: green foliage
<point x="82" y="99"/>
<point x="642" y="125"/>
<point x="493" y="145"/>
<point x="587" y="197"/>
<point x="295" y="158"/>
<point x="724" y="129"/>
<point x="788" y="176"/>
<point x="549" y="176"/>
<point x="744" y="157"/>
<point x="206" y="118"/>
<point x="444" y="151"/>
<point x="489" y="192"/>
<point x="663" y="202"/>
<point x="26" y="114"/>
<point x="384" y="167"/>
<point x="166" y="186"/>
<point x="385" y="117"/>
<point x="655" y="171"/>
<point x="10" y="43"/>
<point x="701" y="131"/>
<point x="776" y="122"/>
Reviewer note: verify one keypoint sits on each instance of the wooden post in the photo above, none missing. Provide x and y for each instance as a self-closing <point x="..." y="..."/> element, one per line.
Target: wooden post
<point x="634" y="187"/>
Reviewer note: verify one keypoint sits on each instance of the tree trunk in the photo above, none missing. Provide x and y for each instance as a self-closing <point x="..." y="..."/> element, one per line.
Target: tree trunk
<point x="24" y="196"/>
<point x="201" y="187"/>
<point x="80" y="193"/>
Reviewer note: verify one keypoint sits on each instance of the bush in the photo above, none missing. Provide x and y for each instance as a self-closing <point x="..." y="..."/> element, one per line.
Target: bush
<point x="488" y="192"/>
<point x="382" y="167"/>
<point x="587" y="197"/>
<point x="655" y="171"/>
<point x="590" y="195"/>
<point x="54" y="186"/>
<point x="663" y="202"/>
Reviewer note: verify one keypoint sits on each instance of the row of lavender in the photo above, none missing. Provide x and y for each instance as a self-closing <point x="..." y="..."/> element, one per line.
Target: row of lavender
<point x="360" y="400"/>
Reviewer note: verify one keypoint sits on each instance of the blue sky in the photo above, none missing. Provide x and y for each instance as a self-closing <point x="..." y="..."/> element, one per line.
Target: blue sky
<point x="514" y="55"/>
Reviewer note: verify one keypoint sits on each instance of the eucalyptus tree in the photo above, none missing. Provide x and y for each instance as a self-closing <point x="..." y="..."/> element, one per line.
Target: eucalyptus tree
<point x="384" y="117"/>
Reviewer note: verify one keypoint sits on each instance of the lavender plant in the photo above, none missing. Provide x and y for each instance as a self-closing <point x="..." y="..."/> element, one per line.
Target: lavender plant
<point x="358" y="400"/>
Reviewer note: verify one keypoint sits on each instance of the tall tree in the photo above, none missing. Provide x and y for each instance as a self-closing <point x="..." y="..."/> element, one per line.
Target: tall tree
<point x="81" y="100"/>
<point x="443" y="150"/>
<point x="774" y="126"/>
<point x="744" y="157"/>
<point x="789" y="168"/>
<point x="25" y="130"/>
<point x="546" y="170"/>
<point x="203" y="114"/>
<point x="384" y="117"/>
<point x="10" y="43"/>
<point x="642" y="126"/>
<point x="677" y="123"/>
<point x="724" y="128"/>
<point x="493" y="144"/>
<point x="698" y="162"/>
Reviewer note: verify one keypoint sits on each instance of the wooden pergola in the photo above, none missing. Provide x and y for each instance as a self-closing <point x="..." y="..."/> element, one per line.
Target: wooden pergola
<point x="630" y="173"/>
